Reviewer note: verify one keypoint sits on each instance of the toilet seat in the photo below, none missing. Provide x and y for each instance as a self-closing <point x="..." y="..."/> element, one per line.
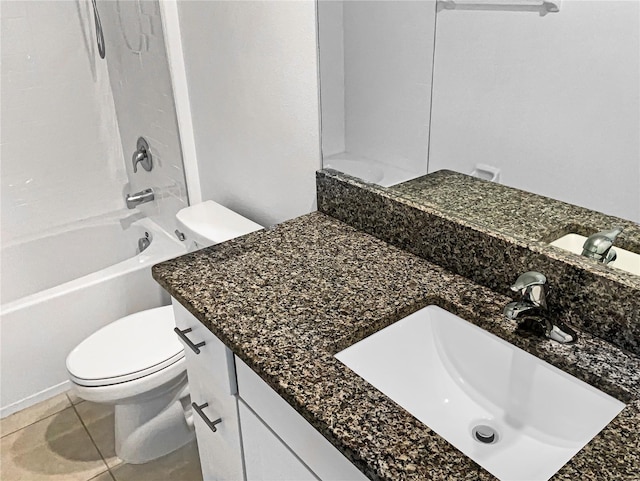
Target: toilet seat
<point x="135" y="391"/>
<point x="130" y="348"/>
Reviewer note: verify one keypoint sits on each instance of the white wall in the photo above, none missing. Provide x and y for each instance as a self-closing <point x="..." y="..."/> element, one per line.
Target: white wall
<point x="144" y="103"/>
<point x="553" y="101"/>
<point x="331" y="53"/>
<point x="388" y="52"/>
<point x="61" y="155"/>
<point x="252" y="74"/>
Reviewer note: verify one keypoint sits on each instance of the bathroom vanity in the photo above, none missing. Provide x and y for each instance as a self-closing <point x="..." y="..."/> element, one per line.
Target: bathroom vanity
<point x="276" y="442"/>
<point x="275" y="307"/>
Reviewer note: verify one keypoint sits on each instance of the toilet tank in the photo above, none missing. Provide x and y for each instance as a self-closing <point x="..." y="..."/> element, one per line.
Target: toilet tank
<point x="210" y="223"/>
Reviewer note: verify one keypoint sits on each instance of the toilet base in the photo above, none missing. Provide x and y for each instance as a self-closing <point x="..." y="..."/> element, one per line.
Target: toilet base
<point x="153" y="427"/>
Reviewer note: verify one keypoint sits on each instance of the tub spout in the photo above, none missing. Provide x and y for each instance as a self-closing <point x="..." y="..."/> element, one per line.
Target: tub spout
<point x="138" y="198"/>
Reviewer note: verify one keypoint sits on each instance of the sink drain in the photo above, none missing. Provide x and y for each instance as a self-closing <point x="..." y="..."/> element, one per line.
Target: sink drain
<point x="485" y="434"/>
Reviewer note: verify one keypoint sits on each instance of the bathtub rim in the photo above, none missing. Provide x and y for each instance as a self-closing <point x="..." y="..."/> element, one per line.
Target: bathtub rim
<point x="391" y="174"/>
<point x="163" y="247"/>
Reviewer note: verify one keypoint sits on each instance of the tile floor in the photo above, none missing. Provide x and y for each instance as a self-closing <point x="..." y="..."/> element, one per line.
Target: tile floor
<point x="68" y="439"/>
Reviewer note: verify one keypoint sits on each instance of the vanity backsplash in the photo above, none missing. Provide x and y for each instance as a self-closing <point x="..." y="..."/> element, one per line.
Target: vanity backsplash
<point x="491" y="234"/>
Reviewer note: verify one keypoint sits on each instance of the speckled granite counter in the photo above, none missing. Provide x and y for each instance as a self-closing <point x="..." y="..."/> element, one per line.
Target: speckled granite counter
<point x="445" y="223"/>
<point x="286" y="300"/>
<point x="524" y="215"/>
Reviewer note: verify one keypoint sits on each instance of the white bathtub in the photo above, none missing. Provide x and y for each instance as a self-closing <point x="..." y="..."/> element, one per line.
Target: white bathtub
<point x="59" y="288"/>
<point x="369" y="170"/>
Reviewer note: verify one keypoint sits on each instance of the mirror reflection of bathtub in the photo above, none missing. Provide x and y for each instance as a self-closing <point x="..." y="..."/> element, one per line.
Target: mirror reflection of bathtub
<point x="369" y="170"/>
<point x="60" y="287"/>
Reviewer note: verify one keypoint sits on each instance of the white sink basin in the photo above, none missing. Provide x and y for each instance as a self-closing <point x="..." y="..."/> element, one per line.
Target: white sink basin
<point x="454" y="376"/>
<point x="626" y="260"/>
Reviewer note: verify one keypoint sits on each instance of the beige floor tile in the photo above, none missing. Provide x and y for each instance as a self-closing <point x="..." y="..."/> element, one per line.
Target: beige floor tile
<point x="181" y="465"/>
<point x="28" y="416"/>
<point x="74" y="398"/>
<point x="106" y="476"/>
<point x="56" y="448"/>
<point x="98" y="418"/>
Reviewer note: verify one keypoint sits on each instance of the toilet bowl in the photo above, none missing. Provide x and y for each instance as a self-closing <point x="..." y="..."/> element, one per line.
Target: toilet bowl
<point x="137" y="362"/>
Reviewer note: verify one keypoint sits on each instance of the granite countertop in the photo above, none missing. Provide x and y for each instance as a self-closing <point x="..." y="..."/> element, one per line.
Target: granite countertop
<point x="285" y="300"/>
<point x="528" y="216"/>
<point x="521" y="216"/>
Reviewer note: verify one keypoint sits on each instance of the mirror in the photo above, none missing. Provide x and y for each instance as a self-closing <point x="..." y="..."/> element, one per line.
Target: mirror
<point x="548" y="104"/>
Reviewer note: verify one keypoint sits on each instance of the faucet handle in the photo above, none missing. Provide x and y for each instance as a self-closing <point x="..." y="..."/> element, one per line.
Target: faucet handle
<point x="531" y="278"/>
<point x="137" y="158"/>
<point x="531" y="286"/>
<point x="600" y="243"/>
<point x="142" y="155"/>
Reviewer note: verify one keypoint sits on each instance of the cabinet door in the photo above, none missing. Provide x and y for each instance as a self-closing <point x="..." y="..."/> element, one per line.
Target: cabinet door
<point x="325" y="461"/>
<point x="212" y="381"/>
<point x="220" y="451"/>
<point x="266" y="457"/>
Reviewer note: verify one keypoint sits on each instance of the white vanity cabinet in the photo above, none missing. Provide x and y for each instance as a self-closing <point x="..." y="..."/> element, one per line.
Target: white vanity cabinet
<point x="267" y="458"/>
<point x="311" y="452"/>
<point x="260" y="437"/>
<point x="212" y="381"/>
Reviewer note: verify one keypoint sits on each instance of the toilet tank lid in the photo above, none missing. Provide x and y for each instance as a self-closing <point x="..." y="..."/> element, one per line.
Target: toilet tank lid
<point x="211" y="223"/>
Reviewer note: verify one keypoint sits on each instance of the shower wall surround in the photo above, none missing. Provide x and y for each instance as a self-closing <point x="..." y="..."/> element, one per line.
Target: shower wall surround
<point x="144" y="104"/>
<point x="593" y="298"/>
<point x="59" y="136"/>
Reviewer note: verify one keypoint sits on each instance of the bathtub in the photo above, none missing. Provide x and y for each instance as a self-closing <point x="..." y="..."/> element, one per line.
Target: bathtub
<point x="59" y="288"/>
<point x="369" y="170"/>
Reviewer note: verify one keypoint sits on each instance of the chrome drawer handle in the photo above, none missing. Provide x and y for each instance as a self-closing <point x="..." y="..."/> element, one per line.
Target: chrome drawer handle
<point x="207" y="421"/>
<point x="183" y="335"/>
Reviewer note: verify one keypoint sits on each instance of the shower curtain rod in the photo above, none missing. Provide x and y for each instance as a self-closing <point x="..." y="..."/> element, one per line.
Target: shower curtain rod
<point x="541" y="6"/>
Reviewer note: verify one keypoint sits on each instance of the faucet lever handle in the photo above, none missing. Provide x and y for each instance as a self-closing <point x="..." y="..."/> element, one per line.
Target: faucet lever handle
<point x="142" y="156"/>
<point x="613" y="233"/>
<point x="531" y="286"/>
<point x="599" y="244"/>
<point x="137" y="158"/>
<point x="529" y="279"/>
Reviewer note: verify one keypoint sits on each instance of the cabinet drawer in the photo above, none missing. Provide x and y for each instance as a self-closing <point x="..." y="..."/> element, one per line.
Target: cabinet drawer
<point x="212" y="381"/>
<point x="215" y="361"/>
<point x="322" y="458"/>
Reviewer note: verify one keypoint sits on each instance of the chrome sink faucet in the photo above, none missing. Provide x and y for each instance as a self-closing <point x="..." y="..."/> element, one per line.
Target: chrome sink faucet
<point x="531" y="310"/>
<point x="599" y="245"/>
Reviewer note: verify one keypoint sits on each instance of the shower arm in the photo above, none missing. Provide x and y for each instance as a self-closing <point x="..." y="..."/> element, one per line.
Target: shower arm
<point x="99" y="34"/>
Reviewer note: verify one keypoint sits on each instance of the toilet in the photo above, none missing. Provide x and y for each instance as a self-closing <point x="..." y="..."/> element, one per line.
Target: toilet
<point x="137" y="362"/>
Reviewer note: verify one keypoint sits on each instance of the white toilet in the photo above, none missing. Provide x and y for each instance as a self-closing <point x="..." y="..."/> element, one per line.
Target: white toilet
<point x="137" y="362"/>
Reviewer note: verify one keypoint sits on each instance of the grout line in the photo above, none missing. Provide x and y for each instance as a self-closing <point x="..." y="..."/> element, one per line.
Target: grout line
<point x="93" y="441"/>
<point x="36" y="421"/>
<point x="80" y="401"/>
<point x="107" y="471"/>
<point x="111" y="477"/>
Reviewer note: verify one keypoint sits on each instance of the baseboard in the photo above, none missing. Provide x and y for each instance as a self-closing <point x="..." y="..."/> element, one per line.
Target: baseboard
<point x="34" y="399"/>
